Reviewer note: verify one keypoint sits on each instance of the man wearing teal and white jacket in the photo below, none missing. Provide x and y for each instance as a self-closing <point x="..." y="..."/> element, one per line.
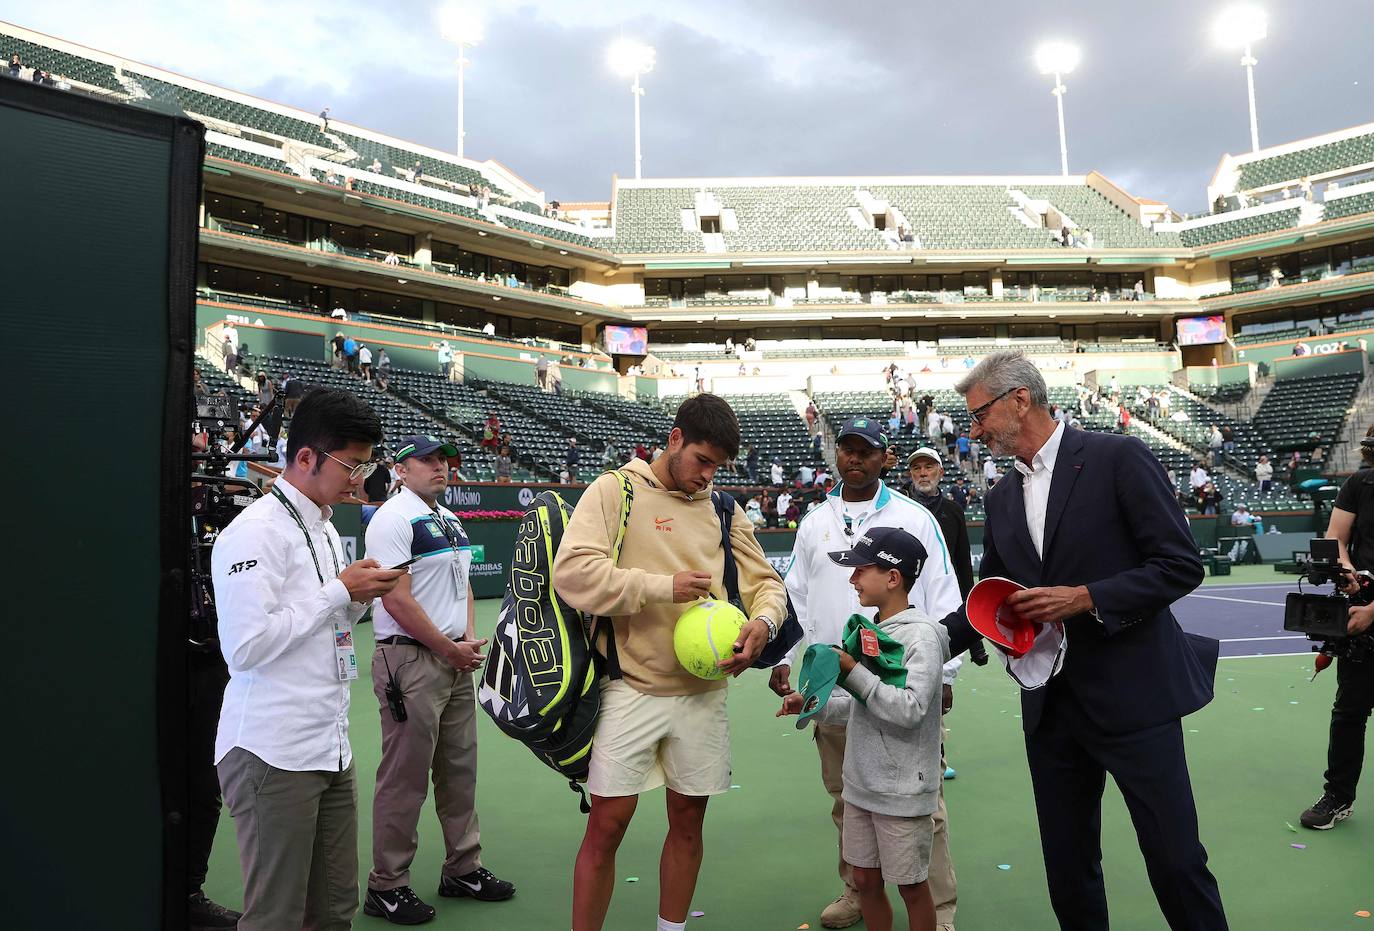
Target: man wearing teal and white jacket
<point x="824" y="600"/>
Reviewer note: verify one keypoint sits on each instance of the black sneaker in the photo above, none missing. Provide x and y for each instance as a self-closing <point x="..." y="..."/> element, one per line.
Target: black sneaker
<point x="202" y="914"/>
<point x="400" y="906"/>
<point x="479" y="884"/>
<point x="1325" y="812"/>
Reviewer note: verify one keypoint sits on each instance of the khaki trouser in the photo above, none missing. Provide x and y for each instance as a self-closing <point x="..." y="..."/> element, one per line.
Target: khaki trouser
<point x="830" y="745"/>
<point x="439" y="734"/>
<point x="298" y="843"/>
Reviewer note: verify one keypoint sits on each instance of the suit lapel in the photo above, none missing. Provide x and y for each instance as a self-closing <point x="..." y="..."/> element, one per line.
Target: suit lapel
<point x="1067" y="467"/>
<point x="1015" y="513"/>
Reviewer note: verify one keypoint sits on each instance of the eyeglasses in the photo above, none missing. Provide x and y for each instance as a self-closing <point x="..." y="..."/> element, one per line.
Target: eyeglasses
<point x="977" y="414"/>
<point x="355" y="472"/>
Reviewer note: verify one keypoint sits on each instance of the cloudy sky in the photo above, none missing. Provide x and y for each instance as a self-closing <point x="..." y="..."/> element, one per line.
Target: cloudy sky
<point x="774" y="87"/>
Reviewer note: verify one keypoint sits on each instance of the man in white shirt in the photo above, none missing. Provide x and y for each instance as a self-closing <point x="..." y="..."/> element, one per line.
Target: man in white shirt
<point x="365" y="361"/>
<point x="1198" y="477"/>
<point x="445" y="352"/>
<point x="824" y="600"/>
<point x="427" y="650"/>
<point x="286" y="609"/>
<point x="990" y="471"/>
<point x="489" y="329"/>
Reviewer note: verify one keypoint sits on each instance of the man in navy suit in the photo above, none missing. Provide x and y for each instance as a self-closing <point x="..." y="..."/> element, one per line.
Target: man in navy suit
<point x="1088" y="522"/>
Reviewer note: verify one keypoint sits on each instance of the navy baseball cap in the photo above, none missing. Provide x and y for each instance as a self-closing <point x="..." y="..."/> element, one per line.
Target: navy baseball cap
<point x="423" y="446"/>
<point x="866" y="427"/>
<point x="887" y="548"/>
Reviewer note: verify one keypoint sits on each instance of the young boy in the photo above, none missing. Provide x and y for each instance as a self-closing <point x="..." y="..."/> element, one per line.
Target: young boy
<point x="890" y="701"/>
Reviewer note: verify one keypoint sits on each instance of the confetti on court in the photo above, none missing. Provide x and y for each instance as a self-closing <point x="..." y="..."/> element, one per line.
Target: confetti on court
<point x="1004" y="866"/>
<point x="632" y="879"/>
<point x="1362" y="913"/>
<point x="734" y="787"/>
<point x="697" y="914"/>
<point x="1256" y="709"/>
<point x="1290" y="827"/>
<point x="1298" y="846"/>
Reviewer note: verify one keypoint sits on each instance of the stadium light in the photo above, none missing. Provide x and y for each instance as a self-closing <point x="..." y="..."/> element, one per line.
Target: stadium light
<point x="463" y="27"/>
<point x="1058" y="59"/>
<point x="627" y="57"/>
<point x="1242" y="26"/>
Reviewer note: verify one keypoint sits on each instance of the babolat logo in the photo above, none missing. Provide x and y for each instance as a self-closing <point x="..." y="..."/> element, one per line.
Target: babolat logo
<point x="242" y="566"/>
<point x="883" y="554"/>
<point x="462" y="497"/>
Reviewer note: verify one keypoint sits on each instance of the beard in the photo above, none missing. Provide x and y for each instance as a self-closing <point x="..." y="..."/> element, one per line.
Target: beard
<point x="926" y="487"/>
<point x="1002" y="442"/>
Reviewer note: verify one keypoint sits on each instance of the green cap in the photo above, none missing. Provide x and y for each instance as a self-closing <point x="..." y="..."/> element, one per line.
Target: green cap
<point x="819" y="672"/>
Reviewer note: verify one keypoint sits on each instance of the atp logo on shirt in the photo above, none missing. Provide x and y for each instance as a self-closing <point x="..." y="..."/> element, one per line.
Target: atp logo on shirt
<point x="242" y="566"/>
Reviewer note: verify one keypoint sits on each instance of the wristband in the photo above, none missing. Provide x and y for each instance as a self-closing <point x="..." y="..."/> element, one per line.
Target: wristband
<point x="772" y="628"/>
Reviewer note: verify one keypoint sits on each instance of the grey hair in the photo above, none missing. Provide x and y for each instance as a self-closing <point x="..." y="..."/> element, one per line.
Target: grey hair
<point x="1003" y="371"/>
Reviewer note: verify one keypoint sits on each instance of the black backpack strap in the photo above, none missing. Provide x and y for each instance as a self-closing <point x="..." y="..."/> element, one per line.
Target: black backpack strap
<point x="724" y="504"/>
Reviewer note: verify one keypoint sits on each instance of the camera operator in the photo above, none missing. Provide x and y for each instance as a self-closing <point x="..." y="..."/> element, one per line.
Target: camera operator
<point x="287" y="607"/>
<point x="1352" y="525"/>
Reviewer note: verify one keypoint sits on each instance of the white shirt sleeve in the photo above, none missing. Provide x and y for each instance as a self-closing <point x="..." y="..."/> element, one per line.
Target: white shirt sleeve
<point x="950" y="672"/>
<point x="797" y="583"/>
<point x="388" y="537"/>
<point x="257" y="623"/>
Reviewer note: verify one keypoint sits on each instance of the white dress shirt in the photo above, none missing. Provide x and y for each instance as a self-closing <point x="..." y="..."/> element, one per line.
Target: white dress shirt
<point x="1035" y="484"/>
<point x="285" y="701"/>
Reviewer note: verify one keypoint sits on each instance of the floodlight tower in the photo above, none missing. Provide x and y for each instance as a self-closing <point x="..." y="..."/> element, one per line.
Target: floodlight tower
<point x="1243" y="26"/>
<point x="627" y="57"/>
<point x="463" y="27"/>
<point x="1058" y="58"/>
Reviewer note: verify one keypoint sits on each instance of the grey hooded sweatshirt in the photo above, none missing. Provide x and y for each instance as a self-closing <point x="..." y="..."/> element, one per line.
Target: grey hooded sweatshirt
<point x="892" y="747"/>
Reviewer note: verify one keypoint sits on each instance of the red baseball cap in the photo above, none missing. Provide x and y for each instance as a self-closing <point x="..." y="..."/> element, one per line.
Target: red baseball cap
<point x="994" y="619"/>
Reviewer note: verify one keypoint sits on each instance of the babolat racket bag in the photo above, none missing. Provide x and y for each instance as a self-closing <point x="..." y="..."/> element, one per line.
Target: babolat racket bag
<point x="540" y="683"/>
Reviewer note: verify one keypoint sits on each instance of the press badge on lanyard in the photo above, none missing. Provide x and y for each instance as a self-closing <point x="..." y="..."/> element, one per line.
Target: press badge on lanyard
<point x="344" y="655"/>
<point x="460" y="582"/>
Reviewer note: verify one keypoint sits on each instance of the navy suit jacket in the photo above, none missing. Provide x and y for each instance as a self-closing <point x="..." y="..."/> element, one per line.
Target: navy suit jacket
<point x="1112" y="523"/>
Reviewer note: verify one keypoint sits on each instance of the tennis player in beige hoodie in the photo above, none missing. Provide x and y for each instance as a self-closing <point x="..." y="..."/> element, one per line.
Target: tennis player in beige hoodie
<point x="659" y="724"/>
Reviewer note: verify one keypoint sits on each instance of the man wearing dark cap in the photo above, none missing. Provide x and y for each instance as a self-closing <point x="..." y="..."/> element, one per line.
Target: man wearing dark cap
<point x="824" y="600"/>
<point x="422" y="672"/>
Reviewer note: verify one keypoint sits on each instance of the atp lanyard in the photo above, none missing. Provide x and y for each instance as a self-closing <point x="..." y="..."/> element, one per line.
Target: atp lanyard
<point x="296" y="516"/>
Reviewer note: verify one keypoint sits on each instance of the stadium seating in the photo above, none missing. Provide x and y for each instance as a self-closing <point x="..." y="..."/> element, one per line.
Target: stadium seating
<point x="1348" y="206"/>
<point x="1245" y="226"/>
<point x="1305" y="163"/>
<point x="592" y="426"/>
<point x="1112" y="228"/>
<point x="771" y="424"/>
<point x="1304" y="413"/>
<point x="73" y="67"/>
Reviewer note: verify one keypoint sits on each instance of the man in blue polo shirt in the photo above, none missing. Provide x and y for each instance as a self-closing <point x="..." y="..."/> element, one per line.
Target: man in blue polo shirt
<point x="422" y="672"/>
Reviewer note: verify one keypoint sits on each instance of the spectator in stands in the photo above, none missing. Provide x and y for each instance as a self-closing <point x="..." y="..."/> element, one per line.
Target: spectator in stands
<point x="1207" y="500"/>
<point x="751" y="464"/>
<point x="816" y="442"/>
<point x="1241" y="517"/>
<point x="642" y="452"/>
<point x="338" y="313"/>
<point x="975" y="454"/>
<point x="784" y="501"/>
<point x="324" y="120"/>
<point x="503" y="465"/>
<point x="948" y="433"/>
<point x="961" y="448"/>
<point x="655" y="451"/>
<point x="350" y="349"/>
<point x="1301" y="349"/>
<point x="198" y="388"/>
<point x="491" y="431"/>
<point x="455" y="471"/>
<point x="823" y="478"/>
<point x="391" y="257"/>
<point x="563" y="477"/>
<point x="16" y="65"/>
<point x="292" y="389"/>
<point x="1264" y="474"/>
<point x="1065" y="237"/>
<point x="1139" y="289"/>
<point x="375" y="166"/>
<point x="1123" y="418"/>
<point x="572" y="457"/>
<point x="775" y="471"/>
<point x="365" y="361"/>
<point x="742" y="371"/>
<point x="445" y="353"/>
<point x="1214" y="443"/>
<point x="417" y="173"/>
<point x="226" y="349"/>
<point x="609" y="457"/>
<point x="508" y="441"/>
<point x="1228" y="440"/>
<point x="377" y="487"/>
<point x="331" y="178"/>
<point x="754" y="511"/>
<point x="383" y="368"/>
<point x="729" y="346"/>
<point x="959" y="492"/>
<point x="934" y="427"/>
<point x="489" y="329"/>
<point x="541" y="372"/>
<point x="812" y="415"/>
<point x="1198" y="477"/>
<point x="338" y="346"/>
<point x="990" y="472"/>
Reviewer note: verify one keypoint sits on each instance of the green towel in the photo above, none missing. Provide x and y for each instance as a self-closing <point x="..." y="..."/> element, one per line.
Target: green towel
<point x="888" y="665"/>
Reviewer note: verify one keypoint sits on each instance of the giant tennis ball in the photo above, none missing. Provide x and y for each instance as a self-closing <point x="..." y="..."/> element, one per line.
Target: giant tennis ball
<point x="705" y="635"/>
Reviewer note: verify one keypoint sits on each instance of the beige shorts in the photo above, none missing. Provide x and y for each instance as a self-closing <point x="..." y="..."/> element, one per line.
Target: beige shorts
<point x="899" y="846"/>
<point x="646" y="741"/>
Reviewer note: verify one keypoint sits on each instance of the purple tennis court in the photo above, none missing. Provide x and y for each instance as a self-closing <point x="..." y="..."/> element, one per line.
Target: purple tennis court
<point x="1247" y="619"/>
